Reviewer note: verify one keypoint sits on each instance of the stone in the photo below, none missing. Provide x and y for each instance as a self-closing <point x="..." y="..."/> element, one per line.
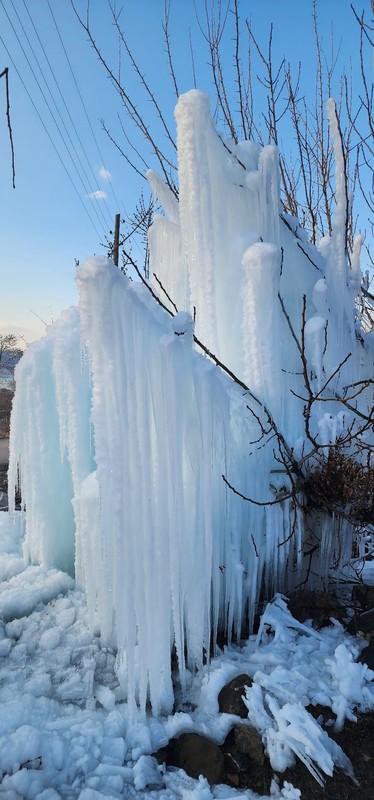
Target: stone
<point x="198" y="755"/>
<point x="362" y="624"/>
<point x="315" y="605"/>
<point x="236" y="762"/>
<point x="249" y="742"/>
<point x="364" y="595"/>
<point x="162" y="755"/>
<point x="367" y="655"/>
<point x="233" y="778"/>
<point x="245" y="762"/>
<point x="230" y="697"/>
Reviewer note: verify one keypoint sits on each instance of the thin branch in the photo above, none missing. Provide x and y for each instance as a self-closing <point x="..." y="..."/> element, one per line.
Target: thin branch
<point x="162" y="287"/>
<point x="5" y="74"/>
<point x="257" y="502"/>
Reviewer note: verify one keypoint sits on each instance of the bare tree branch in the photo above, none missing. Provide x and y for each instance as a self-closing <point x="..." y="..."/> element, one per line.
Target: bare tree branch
<point x="5" y="74"/>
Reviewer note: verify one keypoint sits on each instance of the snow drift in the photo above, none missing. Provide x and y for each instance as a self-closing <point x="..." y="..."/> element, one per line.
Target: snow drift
<point x="122" y="431"/>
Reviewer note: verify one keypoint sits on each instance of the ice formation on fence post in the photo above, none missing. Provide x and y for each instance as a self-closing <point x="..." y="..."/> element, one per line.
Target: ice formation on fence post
<point x="123" y="431"/>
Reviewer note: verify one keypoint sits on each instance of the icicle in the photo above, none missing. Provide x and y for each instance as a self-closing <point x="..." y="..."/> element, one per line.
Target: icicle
<point x="164" y="195"/>
<point x="315" y="345"/>
<point x="337" y="267"/>
<point x="259" y="326"/>
<point x="270" y="193"/>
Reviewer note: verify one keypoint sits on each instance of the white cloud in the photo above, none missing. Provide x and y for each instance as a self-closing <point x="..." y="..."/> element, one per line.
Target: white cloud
<point x="104" y="174"/>
<point x="98" y="195"/>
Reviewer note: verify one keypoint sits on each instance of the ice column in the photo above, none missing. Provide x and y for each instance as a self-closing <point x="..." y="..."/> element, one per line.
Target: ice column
<point x="260" y="325"/>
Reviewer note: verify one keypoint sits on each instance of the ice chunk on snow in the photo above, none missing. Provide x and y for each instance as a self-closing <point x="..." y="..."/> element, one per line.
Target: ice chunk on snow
<point x="350" y="677"/>
<point x="290" y="731"/>
<point x="288" y="791"/>
<point x="105" y="697"/>
<point x="34" y="585"/>
<point x="92" y="794"/>
<point x="21" y="746"/>
<point x="147" y="773"/>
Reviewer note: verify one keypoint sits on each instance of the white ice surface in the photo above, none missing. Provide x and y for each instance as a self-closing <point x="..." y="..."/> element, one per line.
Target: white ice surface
<point x="64" y="727"/>
<point x="122" y="431"/>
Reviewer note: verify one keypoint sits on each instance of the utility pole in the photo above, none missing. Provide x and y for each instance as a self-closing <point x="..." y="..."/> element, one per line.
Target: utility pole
<point x="115" y="250"/>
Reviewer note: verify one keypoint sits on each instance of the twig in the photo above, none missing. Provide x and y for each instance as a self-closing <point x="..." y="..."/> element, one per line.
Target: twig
<point x="257" y="502"/>
<point x="5" y="73"/>
<point x="162" y="287"/>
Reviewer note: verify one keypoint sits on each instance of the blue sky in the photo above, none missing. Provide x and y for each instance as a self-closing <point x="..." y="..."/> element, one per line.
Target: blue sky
<point x="44" y="225"/>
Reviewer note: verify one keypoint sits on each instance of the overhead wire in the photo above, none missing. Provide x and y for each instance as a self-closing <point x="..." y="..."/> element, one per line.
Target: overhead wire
<point x="83" y="103"/>
<point x="137" y="245"/>
<point x="48" y="134"/>
<point x="83" y="149"/>
<point x="101" y="221"/>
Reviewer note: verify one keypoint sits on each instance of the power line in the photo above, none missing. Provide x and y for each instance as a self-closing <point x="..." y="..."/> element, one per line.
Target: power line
<point x="87" y="118"/>
<point x="49" y="136"/>
<point x="67" y="111"/>
<point x="82" y="101"/>
<point x="94" y="207"/>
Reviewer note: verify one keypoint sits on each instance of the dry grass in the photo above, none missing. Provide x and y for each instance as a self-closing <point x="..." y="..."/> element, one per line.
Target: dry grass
<point x="341" y="484"/>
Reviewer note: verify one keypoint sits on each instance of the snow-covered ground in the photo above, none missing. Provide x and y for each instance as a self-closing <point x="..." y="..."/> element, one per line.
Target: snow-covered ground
<point x="64" y="729"/>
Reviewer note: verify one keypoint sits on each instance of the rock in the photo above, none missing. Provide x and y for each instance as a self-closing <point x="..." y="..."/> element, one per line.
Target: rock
<point x="362" y="624"/>
<point x="245" y="763"/>
<point x="237" y="763"/>
<point x="322" y="714"/>
<point x="367" y="655"/>
<point x="317" y="606"/>
<point x="364" y="595"/>
<point x="233" y="778"/>
<point x="230" y="697"/>
<point x="162" y="756"/>
<point x="198" y="755"/>
<point x="248" y="741"/>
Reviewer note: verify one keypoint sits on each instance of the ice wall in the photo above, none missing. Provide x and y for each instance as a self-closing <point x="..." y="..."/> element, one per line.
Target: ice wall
<point x="122" y="431"/>
<point x="235" y="256"/>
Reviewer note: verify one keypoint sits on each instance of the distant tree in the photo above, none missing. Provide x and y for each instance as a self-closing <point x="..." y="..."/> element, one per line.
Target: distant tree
<point x="9" y="353"/>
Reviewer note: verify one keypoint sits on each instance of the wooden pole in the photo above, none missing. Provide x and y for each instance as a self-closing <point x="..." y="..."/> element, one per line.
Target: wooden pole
<point x="115" y="250"/>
